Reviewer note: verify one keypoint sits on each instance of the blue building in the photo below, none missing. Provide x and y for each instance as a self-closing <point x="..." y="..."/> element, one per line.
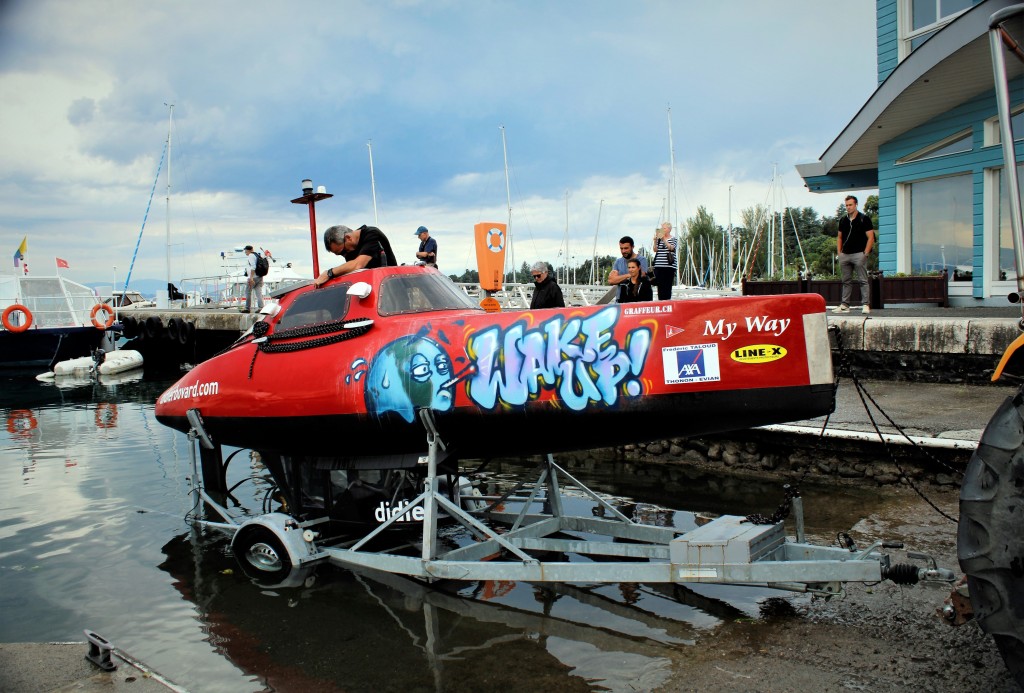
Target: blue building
<point x="928" y="140"/>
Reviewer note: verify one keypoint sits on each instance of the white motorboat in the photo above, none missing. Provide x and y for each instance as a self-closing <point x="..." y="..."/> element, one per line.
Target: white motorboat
<point x="228" y="288"/>
<point x="47" y="319"/>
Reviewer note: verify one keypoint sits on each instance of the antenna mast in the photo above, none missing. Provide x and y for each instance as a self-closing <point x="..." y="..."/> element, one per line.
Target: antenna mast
<point x="373" y="183"/>
<point x="170" y="118"/>
<point x="508" y="198"/>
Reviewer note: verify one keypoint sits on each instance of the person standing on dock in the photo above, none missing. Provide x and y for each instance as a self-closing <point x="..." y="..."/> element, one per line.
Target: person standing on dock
<point x="853" y="244"/>
<point x="427" y="254"/>
<point x="546" y="292"/>
<point x="366" y="247"/>
<point x="664" y="261"/>
<point x="254" y="284"/>
<point x="620" y="270"/>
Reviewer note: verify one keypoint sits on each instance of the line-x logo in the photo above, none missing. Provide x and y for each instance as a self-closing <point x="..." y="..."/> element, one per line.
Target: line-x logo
<point x="758" y="353"/>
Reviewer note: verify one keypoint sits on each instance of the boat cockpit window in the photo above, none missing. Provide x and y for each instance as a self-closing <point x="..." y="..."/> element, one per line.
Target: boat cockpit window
<point x="421" y="293"/>
<point x="321" y="305"/>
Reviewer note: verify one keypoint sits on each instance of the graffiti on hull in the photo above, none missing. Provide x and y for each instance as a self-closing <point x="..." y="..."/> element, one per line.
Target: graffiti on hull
<point x="575" y="361"/>
<point x="576" y="358"/>
<point x="410" y="373"/>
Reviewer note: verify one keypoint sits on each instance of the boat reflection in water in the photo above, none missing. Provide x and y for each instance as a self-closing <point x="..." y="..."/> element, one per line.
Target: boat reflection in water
<point x="389" y="632"/>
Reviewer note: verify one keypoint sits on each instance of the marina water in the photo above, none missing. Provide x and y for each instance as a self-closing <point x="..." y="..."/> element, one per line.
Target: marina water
<point x="93" y="536"/>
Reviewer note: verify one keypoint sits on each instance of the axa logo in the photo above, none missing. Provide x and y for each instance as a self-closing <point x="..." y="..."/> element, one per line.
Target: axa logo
<point x="758" y="353"/>
<point x="692" y="363"/>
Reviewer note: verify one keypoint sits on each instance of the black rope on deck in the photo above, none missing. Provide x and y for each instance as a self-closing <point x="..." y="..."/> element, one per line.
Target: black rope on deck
<point x="342" y="331"/>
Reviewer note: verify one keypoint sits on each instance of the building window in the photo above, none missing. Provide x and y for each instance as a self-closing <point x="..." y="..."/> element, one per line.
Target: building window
<point x="954" y="144"/>
<point x="992" y="135"/>
<point x="1005" y="267"/>
<point x="922" y="18"/>
<point x="941" y="227"/>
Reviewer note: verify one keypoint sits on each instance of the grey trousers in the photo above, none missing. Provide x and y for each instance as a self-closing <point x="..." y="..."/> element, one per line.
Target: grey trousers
<point x="257" y="288"/>
<point x="853" y="269"/>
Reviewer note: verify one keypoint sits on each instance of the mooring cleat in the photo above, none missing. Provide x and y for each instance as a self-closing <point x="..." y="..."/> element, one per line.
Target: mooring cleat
<point x="99" y="651"/>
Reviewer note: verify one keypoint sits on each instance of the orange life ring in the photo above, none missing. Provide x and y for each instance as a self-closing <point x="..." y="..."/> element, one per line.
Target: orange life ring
<point x="106" y="415"/>
<point x="14" y="308"/>
<point x="21" y="422"/>
<point x="110" y="316"/>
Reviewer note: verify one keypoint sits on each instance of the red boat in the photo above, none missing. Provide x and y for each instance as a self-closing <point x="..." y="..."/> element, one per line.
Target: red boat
<point x="340" y="372"/>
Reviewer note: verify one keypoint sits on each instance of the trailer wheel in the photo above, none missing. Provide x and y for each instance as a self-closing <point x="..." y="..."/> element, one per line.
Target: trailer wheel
<point x="260" y="553"/>
<point x="990" y="536"/>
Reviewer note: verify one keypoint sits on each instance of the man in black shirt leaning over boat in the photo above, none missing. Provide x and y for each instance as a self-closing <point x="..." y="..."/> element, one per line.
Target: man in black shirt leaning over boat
<point x="854" y="242"/>
<point x="365" y="247"/>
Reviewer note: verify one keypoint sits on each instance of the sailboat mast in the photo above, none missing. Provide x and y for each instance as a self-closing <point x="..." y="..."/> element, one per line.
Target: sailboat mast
<point x="672" y="203"/>
<point x="373" y="183"/>
<point x="728" y="244"/>
<point x="594" y="278"/>
<point x="170" y="119"/>
<point x="566" y="251"/>
<point x="508" y="197"/>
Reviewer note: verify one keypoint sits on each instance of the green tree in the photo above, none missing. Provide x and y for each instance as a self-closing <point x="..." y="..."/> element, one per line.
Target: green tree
<point x="470" y="276"/>
<point x="702" y="251"/>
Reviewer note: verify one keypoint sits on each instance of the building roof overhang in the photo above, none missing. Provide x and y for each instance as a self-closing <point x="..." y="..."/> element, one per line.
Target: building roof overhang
<point x="951" y="67"/>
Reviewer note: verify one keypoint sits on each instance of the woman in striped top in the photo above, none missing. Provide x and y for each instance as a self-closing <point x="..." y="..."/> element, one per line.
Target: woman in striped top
<point x="664" y="261"/>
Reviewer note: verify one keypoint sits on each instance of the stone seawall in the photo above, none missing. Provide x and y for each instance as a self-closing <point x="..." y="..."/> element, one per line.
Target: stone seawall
<point x="922" y="349"/>
<point x="778" y="456"/>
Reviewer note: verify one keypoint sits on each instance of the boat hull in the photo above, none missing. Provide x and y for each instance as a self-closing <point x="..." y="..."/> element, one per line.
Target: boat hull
<point x="356" y="440"/>
<point x="508" y="383"/>
<point x="46" y="346"/>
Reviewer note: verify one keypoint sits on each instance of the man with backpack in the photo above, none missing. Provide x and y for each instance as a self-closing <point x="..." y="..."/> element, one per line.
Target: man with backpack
<point x="258" y="267"/>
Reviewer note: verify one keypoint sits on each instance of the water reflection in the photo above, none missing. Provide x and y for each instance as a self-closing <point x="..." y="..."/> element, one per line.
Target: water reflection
<point x="92" y="535"/>
<point x="388" y="632"/>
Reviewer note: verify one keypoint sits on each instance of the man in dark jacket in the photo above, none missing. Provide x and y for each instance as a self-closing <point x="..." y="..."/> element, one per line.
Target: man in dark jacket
<point x="546" y="293"/>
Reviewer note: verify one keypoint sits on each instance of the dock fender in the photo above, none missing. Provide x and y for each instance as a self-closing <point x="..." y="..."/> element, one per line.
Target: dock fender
<point x="270" y="546"/>
<point x="1012" y="361"/>
<point x="153" y="327"/>
<point x="129" y="327"/>
<point x="176" y="330"/>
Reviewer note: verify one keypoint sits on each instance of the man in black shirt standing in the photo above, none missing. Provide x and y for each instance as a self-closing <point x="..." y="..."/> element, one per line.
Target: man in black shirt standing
<point x="854" y="243"/>
<point x="366" y="247"/>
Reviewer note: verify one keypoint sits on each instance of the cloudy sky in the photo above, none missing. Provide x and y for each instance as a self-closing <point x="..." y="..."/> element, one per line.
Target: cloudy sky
<point x="268" y="93"/>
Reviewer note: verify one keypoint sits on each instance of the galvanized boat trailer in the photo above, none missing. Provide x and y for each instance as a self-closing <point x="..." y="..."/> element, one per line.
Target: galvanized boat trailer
<point x="533" y="546"/>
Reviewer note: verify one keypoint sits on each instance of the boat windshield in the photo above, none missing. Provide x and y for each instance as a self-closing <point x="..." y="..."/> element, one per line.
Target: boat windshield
<point x="322" y="305"/>
<point x="421" y="293"/>
<point x="53" y="301"/>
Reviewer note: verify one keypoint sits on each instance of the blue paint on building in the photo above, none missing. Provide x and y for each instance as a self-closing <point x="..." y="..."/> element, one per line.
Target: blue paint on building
<point x="930" y="126"/>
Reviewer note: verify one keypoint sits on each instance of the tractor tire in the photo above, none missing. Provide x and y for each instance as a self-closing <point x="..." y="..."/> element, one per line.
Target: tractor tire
<point x="990" y="536"/>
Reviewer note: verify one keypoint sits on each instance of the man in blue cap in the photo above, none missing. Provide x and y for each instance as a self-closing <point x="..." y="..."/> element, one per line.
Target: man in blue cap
<point x="427" y="254"/>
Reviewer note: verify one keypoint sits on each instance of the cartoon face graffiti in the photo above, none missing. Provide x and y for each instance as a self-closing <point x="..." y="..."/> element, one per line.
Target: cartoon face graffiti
<point x="408" y="374"/>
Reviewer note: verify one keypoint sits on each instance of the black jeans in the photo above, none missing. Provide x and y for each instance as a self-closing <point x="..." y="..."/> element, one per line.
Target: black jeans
<point x="664" y="278"/>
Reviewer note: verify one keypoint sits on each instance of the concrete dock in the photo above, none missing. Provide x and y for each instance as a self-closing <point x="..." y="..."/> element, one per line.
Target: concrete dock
<point x="39" y="667"/>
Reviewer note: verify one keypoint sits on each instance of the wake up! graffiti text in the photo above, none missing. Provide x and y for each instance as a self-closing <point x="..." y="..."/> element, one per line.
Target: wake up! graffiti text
<point x="578" y="358"/>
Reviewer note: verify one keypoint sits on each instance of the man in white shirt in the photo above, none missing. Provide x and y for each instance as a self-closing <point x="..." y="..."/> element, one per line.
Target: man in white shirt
<point x="254" y="284"/>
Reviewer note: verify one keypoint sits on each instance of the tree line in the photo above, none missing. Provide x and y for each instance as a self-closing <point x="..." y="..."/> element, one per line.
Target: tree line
<point x="766" y="245"/>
